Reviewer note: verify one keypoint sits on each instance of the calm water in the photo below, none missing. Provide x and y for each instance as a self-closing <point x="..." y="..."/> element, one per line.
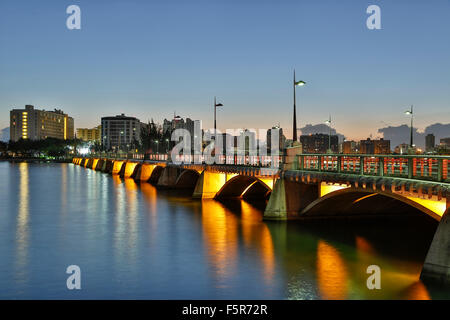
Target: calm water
<point x="135" y="242"/>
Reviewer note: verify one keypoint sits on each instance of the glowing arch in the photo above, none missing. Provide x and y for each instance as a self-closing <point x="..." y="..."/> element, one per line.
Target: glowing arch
<point x="240" y="186"/>
<point x="349" y="197"/>
<point x="187" y="179"/>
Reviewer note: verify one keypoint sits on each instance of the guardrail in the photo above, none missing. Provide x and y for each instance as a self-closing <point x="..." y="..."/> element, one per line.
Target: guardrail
<point x="254" y="161"/>
<point x="423" y="167"/>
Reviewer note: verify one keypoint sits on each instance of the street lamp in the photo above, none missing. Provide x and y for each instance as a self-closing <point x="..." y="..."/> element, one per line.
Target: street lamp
<point x="157" y="146"/>
<point x="329" y="133"/>
<point x="215" y="107"/>
<point x="294" y="126"/>
<point x="167" y="150"/>
<point x="120" y="138"/>
<point x="410" y="112"/>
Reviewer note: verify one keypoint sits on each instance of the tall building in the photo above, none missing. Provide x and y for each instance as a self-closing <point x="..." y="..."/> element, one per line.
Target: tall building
<point x="349" y="147"/>
<point x="93" y="134"/>
<point x="370" y="146"/>
<point x="318" y="143"/>
<point x="281" y="138"/>
<point x="430" y="142"/>
<point x="34" y="124"/>
<point x="445" y="142"/>
<point x="120" y="132"/>
<point x="401" y="148"/>
<point x="179" y="123"/>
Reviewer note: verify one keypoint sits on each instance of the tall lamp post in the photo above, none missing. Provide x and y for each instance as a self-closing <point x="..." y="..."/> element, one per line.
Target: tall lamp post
<point x="294" y="125"/>
<point x="329" y="133"/>
<point x="215" y="108"/>
<point x="411" y="141"/>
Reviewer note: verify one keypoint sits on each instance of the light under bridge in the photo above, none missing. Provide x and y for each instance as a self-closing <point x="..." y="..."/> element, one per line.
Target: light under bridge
<point x="313" y="186"/>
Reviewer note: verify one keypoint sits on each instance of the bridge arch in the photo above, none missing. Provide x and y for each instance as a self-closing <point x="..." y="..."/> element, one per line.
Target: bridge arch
<point x="355" y="201"/>
<point x="187" y="179"/>
<point x="245" y="186"/>
<point x="156" y="174"/>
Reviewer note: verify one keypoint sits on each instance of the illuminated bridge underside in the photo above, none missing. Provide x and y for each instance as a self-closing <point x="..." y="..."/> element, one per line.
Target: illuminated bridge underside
<point x="307" y="194"/>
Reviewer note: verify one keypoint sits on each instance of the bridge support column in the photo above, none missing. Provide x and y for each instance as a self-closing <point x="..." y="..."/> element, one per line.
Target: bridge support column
<point x="289" y="198"/>
<point x="208" y="184"/>
<point x="168" y="177"/>
<point x="437" y="263"/>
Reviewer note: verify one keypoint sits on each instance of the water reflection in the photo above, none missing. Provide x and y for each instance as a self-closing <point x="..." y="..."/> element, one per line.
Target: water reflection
<point x="332" y="273"/>
<point x="22" y="228"/>
<point x="137" y="241"/>
<point x="221" y="240"/>
<point x="257" y="235"/>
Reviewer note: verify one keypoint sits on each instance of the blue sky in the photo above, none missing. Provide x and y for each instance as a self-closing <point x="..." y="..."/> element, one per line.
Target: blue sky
<point x="151" y="58"/>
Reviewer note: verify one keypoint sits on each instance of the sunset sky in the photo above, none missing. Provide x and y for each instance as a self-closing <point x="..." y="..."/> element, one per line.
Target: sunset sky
<point x="151" y="58"/>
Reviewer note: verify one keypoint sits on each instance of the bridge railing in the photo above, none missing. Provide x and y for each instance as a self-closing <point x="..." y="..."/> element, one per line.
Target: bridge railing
<point x="423" y="167"/>
<point x="254" y="161"/>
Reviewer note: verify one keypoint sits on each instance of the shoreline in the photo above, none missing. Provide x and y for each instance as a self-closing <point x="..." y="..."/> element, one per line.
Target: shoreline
<point x="36" y="160"/>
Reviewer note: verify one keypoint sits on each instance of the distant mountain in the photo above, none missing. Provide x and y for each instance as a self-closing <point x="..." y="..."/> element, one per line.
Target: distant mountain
<point x="320" y="128"/>
<point x="401" y="134"/>
<point x="4" y="135"/>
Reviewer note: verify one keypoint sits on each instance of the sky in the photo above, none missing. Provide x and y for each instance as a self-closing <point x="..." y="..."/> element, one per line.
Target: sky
<point x="151" y="58"/>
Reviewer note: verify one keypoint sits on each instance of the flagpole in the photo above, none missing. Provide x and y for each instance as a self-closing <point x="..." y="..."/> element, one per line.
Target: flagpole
<point x="294" y="125"/>
<point x="215" y="107"/>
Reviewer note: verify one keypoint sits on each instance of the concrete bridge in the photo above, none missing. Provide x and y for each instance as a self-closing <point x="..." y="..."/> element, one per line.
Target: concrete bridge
<point x="314" y="186"/>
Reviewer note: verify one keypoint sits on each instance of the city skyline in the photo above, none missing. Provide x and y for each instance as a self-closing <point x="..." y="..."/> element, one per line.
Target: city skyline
<point x="149" y="60"/>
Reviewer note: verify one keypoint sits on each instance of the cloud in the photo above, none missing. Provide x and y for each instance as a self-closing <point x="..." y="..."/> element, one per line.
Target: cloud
<point x="401" y="134"/>
<point x="320" y="128"/>
<point x="4" y="135"/>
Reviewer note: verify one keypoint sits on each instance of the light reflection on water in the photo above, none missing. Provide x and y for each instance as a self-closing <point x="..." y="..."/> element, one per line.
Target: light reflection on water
<point x="134" y="241"/>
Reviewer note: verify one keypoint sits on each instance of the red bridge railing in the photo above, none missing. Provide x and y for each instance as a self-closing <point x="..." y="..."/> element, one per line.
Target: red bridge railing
<point x="423" y="167"/>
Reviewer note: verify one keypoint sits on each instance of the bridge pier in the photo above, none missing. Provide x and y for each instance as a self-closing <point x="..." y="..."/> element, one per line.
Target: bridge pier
<point x="208" y="184"/>
<point x="437" y="263"/>
<point x="289" y="198"/>
<point x="168" y="177"/>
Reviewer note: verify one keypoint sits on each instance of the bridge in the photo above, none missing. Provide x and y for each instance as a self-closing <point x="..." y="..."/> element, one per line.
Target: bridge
<point x="310" y="186"/>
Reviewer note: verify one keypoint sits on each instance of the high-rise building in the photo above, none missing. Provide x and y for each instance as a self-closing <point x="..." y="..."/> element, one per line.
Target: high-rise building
<point x="430" y="141"/>
<point x="34" y="124"/>
<point x="401" y="148"/>
<point x="179" y="123"/>
<point x="370" y="146"/>
<point x="93" y="134"/>
<point x="445" y="142"/>
<point x="349" y="147"/>
<point x="120" y="132"/>
<point x="319" y="143"/>
<point x="281" y="138"/>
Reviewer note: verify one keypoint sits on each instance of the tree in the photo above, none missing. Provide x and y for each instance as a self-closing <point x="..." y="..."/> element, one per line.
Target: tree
<point x="151" y="137"/>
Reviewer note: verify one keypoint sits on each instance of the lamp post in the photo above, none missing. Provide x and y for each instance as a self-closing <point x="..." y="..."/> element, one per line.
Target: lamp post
<point x="410" y="112"/>
<point x="215" y="122"/>
<point x="167" y="149"/>
<point x="329" y="134"/>
<point x="157" y="146"/>
<point x="294" y="125"/>
<point x="120" y="139"/>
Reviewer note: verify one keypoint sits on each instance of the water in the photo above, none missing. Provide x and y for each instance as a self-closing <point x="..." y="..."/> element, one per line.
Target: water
<point x="133" y="241"/>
